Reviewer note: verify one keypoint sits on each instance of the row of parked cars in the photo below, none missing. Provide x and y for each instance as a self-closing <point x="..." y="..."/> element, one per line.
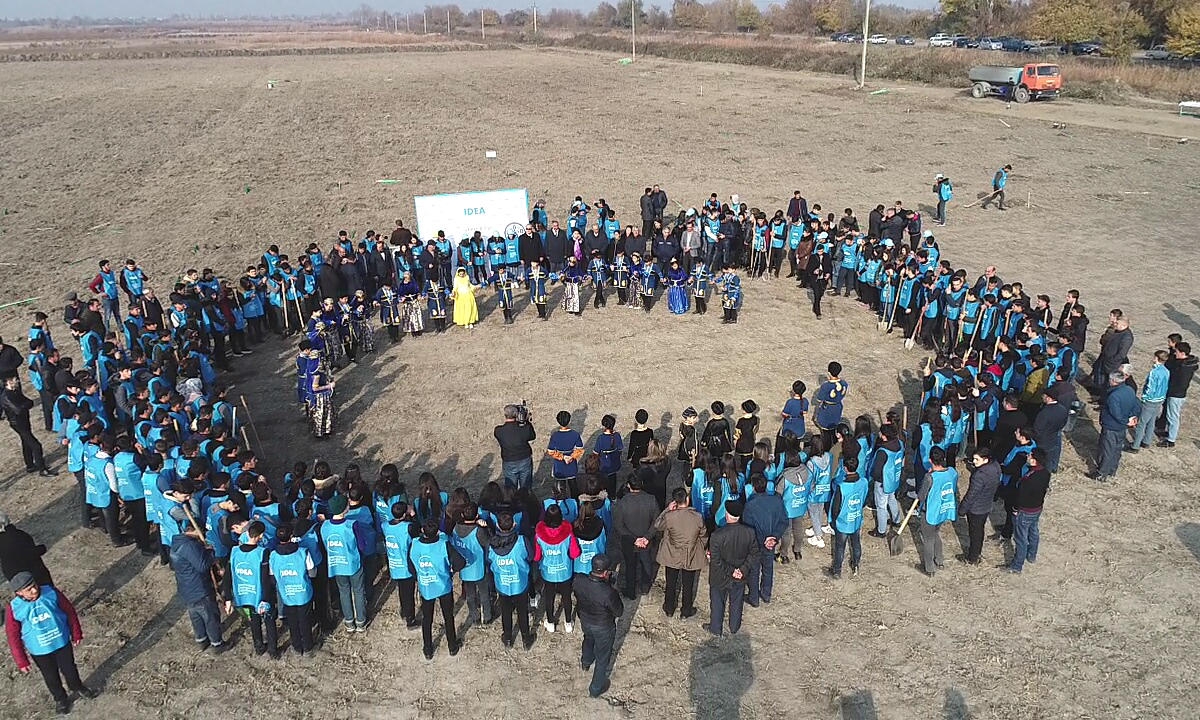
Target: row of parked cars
<point x="1014" y="44"/>
<point x="850" y="37"/>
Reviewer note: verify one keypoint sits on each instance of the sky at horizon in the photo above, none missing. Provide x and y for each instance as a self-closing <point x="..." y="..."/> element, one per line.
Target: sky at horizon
<point x="25" y="10"/>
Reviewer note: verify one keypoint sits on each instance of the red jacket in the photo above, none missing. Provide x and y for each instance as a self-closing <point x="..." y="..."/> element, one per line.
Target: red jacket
<point x="17" y="646"/>
<point x="553" y="536"/>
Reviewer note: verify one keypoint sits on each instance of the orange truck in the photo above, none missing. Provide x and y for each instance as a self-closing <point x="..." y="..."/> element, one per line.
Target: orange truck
<point x="1032" y="81"/>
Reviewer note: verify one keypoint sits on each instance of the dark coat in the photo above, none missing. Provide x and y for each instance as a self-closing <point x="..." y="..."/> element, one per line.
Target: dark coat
<point x="558" y="245"/>
<point x="530" y="247"/>
<point x="597" y="602"/>
<point x="19" y="553"/>
<point x="981" y="494"/>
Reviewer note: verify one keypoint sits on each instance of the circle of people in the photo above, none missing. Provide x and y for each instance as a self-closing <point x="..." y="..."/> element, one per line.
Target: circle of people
<point x="152" y="438"/>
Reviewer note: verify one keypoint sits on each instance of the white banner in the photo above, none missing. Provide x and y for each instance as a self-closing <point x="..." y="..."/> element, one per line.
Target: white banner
<point x="459" y="215"/>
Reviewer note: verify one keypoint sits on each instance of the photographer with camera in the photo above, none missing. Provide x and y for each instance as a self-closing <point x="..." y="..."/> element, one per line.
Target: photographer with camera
<point x="516" y="454"/>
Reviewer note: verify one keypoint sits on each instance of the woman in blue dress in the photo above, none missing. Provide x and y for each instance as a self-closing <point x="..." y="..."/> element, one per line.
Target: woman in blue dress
<point x="677" y="292"/>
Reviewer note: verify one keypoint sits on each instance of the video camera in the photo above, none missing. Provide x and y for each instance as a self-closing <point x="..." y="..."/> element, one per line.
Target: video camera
<point x="523" y="415"/>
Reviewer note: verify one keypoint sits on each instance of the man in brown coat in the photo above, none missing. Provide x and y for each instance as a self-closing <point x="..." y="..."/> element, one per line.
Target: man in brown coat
<point x="681" y="552"/>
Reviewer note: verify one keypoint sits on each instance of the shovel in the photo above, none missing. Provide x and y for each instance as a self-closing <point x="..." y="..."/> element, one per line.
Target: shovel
<point x="912" y="341"/>
<point x="895" y="537"/>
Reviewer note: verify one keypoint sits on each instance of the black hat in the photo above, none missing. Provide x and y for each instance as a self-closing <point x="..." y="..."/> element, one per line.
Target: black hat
<point x="734" y="508"/>
<point x="20" y="581"/>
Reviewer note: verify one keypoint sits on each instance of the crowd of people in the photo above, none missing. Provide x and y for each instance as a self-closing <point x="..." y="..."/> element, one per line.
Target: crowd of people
<point x="152" y="434"/>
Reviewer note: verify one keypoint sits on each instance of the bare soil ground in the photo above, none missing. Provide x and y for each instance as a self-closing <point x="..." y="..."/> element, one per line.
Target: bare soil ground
<point x="185" y="163"/>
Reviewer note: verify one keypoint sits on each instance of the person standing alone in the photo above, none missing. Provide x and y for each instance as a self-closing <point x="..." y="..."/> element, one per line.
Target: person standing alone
<point x="733" y="555"/>
<point x="41" y="625"/>
<point x="15" y="407"/>
<point x="599" y="606"/>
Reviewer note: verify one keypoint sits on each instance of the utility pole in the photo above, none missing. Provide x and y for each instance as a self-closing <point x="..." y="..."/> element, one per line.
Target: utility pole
<point x="408" y="23"/>
<point x="482" y="30"/>
<point x="425" y="21"/>
<point x="447" y="21"/>
<point x="862" y="70"/>
<point x="535" y="19"/>
<point x="633" y="26"/>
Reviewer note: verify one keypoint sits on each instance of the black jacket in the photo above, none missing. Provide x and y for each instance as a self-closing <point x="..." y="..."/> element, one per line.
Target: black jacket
<point x="597" y="602"/>
<point x="1031" y="489"/>
<point x="733" y="547"/>
<point x="530" y="247"/>
<point x="633" y="516"/>
<point x="981" y="494"/>
<point x="15" y="407"/>
<point x="1181" y="372"/>
<point x="647" y="208"/>
<point x="1049" y="423"/>
<point x="10" y="360"/>
<point x="19" y="553"/>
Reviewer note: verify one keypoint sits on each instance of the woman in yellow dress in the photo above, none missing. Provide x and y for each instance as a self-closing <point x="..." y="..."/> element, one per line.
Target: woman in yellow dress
<point x="466" y="312"/>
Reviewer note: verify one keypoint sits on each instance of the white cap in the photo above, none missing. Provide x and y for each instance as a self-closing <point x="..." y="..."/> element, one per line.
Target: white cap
<point x="734" y="197"/>
<point x="823" y="236"/>
<point x="927" y="234"/>
<point x="939" y="176"/>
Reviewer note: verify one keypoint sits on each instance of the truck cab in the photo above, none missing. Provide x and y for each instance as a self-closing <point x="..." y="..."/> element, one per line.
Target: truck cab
<point x="1022" y="83"/>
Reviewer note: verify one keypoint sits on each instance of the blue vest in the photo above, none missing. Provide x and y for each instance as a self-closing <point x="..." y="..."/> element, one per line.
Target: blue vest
<point x="893" y="466"/>
<point x="941" y="504"/>
<point x="555" y="564"/>
<point x="133" y="280"/>
<point x="850" y="512"/>
<point x="311" y="543"/>
<point x="432" y="563"/>
<point x="795" y="495"/>
<point x="472" y="551"/>
<point x="246" y="566"/>
<point x="589" y="549"/>
<point x="212" y="533"/>
<point x="361" y="516"/>
<point x="129" y="476"/>
<point x="396" y="542"/>
<point x="44" y="626"/>
<point x="291" y="577"/>
<point x="96" y="481"/>
<point x="341" y="548"/>
<point x="820" y="481"/>
<point x="511" y="572"/>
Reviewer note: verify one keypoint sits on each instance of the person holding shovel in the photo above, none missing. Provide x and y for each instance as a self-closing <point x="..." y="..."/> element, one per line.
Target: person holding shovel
<point x="938" y="500"/>
<point x="999" y="182"/>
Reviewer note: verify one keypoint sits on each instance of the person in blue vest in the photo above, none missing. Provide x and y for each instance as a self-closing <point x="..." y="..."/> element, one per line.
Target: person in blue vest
<point x="820" y="488"/>
<point x="128" y="468"/>
<point x="509" y="562"/>
<point x="344" y="540"/>
<point x="42" y="627"/>
<point x="730" y="287"/>
<point x="887" y="465"/>
<point x="944" y="192"/>
<point x="108" y="286"/>
<point x="250" y="587"/>
<point x="554" y="550"/>
<point x="100" y="479"/>
<point x="471" y="537"/>
<point x="830" y="399"/>
<point x="999" y="183"/>
<point x="133" y="281"/>
<point x="398" y="535"/>
<point x="938" y="500"/>
<point x="766" y="515"/>
<point x="435" y="562"/>
<point x="846" y="516"/>
<point x="589" y="528"/>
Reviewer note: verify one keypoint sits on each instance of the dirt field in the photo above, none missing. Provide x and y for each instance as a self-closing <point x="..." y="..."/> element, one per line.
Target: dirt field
<point x="195" y="162"/>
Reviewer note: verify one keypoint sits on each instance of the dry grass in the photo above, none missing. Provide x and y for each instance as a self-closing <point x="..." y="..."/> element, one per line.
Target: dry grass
<point x="1087" y="78"/>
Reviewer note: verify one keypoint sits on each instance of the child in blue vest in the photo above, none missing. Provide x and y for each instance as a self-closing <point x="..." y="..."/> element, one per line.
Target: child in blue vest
<point x="251" y="588"/>
<point x="292" y="569"/>
<point x="435" y="561"/>
<point x="43" y="627"/>
<point x="555" y="550"/>
<point x="471" y="538"/>
<point x="509" y="563"/>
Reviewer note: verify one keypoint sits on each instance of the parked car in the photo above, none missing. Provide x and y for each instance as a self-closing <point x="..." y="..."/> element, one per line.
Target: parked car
<point x="941" y="40"/>
<point x="1159" y="52"/>
<point x="852" y="38"/>
<point x="837" y="37"/>
<point x="987" y="43"/>
<point x="878" y="39"/>
<point x="905" y="40"/>
<point x="962" y="41"/>
<point x="1091" y="47"/>
<point x="1012" y="44"/>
